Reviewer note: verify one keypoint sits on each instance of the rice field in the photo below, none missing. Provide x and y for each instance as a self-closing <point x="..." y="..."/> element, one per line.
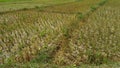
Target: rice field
<point x="81" y="6"/>
<point x="12" y="5"/>
<point x="97" y="41"/>
<point x="66" y="35"/>
<point x="19" y="36"/>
